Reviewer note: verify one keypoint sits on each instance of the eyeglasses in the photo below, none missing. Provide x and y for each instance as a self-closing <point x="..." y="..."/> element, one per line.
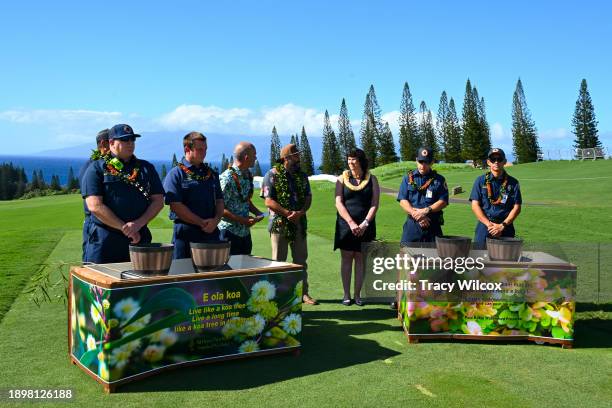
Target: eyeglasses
<point x="496" y="160"/>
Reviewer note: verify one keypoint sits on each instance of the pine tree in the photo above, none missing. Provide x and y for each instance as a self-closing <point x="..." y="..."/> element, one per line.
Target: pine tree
<point x="584" y="122"/>
<point x="371" y="127"/>
<point x="293" y="140"/>
<point x="275" y="147"/>
<point x="41" y="180"/>
<point x="257" y="169"/>
<point x="306" y="160"/>
<point x="387" y="152"/>
<point x="330" y="159"/>
<point x="35" y="185"/>
<point x="346" y="137"/>
<point x="73" y="182"/>
<point x="426" y="129"/>
<point x="164" y="172"/>
<point x="452" y="152"/>
<point x="524" y="134"/>
<point x="485" y="131"/>
<point x="55" y="184"/>
<point x="471" y="127"/>
<point x="223" y="164"/>
<point x="443" y="125"/>
<point x="409" y="138"/>
<point x="21" y="183"/>
<point x="174" y="161"/>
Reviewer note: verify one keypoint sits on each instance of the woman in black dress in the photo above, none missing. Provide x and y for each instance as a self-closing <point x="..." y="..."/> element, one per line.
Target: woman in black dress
<point x="357" y="195"/>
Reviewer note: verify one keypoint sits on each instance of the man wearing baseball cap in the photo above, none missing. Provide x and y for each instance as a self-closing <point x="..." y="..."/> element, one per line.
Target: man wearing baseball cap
<point x="123" y="194"/>
<point x="102" y="149"/>
<point x="287" y="193"/>
<point x="496" y="200"/>
<point x="423" y="195"/>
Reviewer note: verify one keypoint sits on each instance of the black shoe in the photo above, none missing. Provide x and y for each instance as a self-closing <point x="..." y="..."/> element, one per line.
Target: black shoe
<point x="393" y="305"/>
<point x="347" y="302"/>
<point x="359" y="302"/>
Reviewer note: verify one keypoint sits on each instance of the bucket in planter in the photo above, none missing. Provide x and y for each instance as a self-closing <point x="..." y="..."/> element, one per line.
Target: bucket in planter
<point x="209" y="256"/>
<point x="151" y="259"/>
<point x="504" y="249"/>
<point x="450" y="246"/>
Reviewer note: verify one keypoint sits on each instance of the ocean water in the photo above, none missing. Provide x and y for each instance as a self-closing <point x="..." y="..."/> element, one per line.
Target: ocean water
<point x="61" y="166"/>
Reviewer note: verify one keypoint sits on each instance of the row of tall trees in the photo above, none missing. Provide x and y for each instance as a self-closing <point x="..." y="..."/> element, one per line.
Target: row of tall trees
<point x="14" y="183"/>
<point x="306" y="159"/>
<point x="452" y="138"/>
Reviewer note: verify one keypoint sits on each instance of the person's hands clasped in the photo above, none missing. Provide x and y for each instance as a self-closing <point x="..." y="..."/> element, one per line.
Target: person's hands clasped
<point x="495" y="229"/>
<point x="363" y="227"/>
<point x="355" y="229"/>
<point x="418" y="213"/>
<point x="208" y="225"/>
<point x="294" y="216"/>
<point x="424" y="222"/>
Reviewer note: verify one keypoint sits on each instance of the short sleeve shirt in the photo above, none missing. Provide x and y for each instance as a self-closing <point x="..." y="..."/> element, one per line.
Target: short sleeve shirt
<point x="81" y="174"/>
<point x="236" y="202"/>
<point x="268" y="190"/>
<point x="437" y="190"/>
<point x="200" y="196"/>
<point x="496" y="212"/>
<point x="126" y="201"/>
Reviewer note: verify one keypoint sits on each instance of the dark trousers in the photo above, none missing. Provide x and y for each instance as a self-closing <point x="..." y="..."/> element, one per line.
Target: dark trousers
<point x="240" y="245"/>
<point x="108" y="245"/>
<point x="85" y="234"/>
<point x="183" y="234"/>
<point x="414" y="233"/>
<point x="481" y="234"/>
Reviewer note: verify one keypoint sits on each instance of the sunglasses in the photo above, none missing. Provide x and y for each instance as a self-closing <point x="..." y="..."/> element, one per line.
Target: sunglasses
<point x="423" y="162"/>
<point x="496" y="160"/>
<point x="128" y="139"/>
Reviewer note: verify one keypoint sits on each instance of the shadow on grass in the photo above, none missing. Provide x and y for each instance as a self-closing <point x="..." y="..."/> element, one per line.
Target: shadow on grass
<point x="593" y="307"/>
<point x="593" y="333"/>
<point x="326" y="345"/>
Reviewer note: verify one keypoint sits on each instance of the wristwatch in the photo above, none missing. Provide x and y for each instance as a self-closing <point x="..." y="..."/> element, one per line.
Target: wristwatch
<point x="505" y="224"/>
<point x="429" y="210"/>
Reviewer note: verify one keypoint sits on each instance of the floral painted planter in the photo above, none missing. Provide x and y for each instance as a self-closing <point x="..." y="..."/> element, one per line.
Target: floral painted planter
<point x="124" y="329"/>
<point x="543" y="313"/>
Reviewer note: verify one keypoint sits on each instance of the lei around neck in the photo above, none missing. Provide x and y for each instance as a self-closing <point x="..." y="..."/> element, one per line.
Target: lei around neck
<point x="191" y="175"/>
<point x="243" y="197"/>
<point x="425" y="185"/>
<point x="115" y="167"/>
<point x="346" y="176"/>
<point x="282" y="225"/>
<point x="502" y="190"/>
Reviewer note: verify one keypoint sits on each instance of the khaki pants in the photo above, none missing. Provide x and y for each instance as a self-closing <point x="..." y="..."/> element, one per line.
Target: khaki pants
<point x="299" y="251"/>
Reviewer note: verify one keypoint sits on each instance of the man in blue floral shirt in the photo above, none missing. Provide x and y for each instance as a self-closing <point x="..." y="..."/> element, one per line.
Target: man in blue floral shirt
<point x="237" y="186"/>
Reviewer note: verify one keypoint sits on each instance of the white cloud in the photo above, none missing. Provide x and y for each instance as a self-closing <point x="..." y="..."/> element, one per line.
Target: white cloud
<point x="288" y="118"/>
<point x="499" y="134"/>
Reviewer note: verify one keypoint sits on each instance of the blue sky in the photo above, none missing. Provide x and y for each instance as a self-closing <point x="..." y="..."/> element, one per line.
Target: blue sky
<point x="68" y="69"/>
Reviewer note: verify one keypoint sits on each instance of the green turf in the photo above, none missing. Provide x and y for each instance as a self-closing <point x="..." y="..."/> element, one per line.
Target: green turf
<point x="350" y="356"/>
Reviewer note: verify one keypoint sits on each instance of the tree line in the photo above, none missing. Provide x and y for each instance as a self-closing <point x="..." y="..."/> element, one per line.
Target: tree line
<point x="14" y="183"/>
<point x="453" y="138"/>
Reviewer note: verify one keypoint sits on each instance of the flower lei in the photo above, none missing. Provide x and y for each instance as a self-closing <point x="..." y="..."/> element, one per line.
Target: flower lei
<point x="193" y="176"/>
<point x="425" y="185"/>
<point x="281" y="224"/>
<point x="114" y="167"/>
<point x="234" y="174"/>
<point x="96" y="155"/>
<point x="502" y="190"/>
<point x="346" y="175"/>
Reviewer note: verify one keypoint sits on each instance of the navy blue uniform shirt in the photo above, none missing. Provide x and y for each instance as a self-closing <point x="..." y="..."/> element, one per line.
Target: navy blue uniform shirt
<point x="199" y="196"/>
<point x="81" y="174"/>
<point x="496" y="213"/>
<point x="124" y="200"/>
<point x="437" y="190"/>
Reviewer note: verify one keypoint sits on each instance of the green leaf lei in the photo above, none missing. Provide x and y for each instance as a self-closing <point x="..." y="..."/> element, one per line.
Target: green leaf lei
<point x="114" y="167"/>
<point x="281" y="225"/>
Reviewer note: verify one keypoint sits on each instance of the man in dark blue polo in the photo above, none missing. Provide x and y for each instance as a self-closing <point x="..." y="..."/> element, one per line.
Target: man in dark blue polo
<point x="123" y="194"/>
<point x="423" y="194"/>
<point x="496" y="200"/>
<point x="101" y="150"/>
<point x="194" y="194"/>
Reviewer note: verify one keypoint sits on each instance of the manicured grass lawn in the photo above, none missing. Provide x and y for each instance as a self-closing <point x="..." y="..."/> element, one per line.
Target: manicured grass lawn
<point x="350" y="356"/>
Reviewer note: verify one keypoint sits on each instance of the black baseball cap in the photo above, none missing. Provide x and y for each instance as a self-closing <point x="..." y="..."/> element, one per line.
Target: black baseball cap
<point x="121" y="131"/>
<point x="496" y="151"/>
<point x="425" y="154"/>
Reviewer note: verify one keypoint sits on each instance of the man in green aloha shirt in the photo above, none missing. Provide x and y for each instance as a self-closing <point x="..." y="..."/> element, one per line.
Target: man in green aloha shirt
<point x="237" y="187"/>
<point x="287" y="193"/>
